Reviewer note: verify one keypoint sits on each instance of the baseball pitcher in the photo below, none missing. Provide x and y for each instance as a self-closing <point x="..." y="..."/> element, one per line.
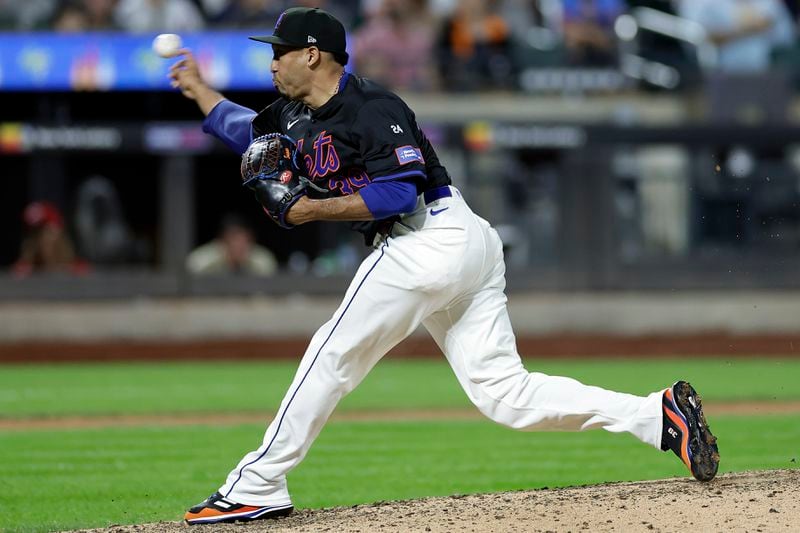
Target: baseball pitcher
<point x="338" y="147"/>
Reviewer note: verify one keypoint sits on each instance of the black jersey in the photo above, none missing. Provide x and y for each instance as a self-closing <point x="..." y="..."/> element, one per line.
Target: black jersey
<point x="363" y="134"/>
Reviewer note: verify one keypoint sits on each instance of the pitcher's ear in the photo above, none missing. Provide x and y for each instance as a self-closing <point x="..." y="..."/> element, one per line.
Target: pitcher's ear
<point x="314" y="56"/>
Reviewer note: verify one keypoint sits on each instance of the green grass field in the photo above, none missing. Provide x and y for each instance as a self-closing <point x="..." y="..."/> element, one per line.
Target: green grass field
<point x="95" y="389"/>
<point x="66" y="479"/>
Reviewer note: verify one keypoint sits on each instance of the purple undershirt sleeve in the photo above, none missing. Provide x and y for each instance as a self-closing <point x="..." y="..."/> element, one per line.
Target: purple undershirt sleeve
<point x="232" y="124"/>
<point x="388" y="198"/>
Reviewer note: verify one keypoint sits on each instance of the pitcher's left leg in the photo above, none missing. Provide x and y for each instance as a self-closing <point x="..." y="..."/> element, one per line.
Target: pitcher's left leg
<point x="476" y="336"/>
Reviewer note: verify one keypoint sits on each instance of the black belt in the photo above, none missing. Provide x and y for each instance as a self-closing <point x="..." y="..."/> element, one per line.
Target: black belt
<point x="437" y="193"/>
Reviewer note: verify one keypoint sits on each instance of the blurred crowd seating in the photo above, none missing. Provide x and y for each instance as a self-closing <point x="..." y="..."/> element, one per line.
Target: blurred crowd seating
<point x="463" y="45"/>
<point x="672" y="198"/>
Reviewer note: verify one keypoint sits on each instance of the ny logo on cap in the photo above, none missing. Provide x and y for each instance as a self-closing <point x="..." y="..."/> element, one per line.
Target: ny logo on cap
<point x="311" y="39"/>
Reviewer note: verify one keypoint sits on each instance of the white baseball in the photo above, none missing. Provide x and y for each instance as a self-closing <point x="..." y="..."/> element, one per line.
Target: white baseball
<point x="167" y="44"/>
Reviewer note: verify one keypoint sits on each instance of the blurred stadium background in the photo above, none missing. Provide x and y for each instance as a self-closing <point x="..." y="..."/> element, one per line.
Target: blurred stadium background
<point x="640" y="158"/>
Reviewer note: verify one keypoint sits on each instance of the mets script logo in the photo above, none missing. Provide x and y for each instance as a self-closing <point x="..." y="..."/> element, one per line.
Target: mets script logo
<point x="324" y="160"/>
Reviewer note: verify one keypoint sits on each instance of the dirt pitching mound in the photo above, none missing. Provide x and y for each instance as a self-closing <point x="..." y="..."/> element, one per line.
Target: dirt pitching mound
<point x="748" y="501"/>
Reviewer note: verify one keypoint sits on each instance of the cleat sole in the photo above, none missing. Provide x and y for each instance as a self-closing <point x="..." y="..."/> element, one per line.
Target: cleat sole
<point x="704" y="462"/>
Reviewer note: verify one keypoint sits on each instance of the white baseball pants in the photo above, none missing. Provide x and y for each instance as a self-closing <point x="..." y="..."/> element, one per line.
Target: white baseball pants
<point x="442" y="267"/>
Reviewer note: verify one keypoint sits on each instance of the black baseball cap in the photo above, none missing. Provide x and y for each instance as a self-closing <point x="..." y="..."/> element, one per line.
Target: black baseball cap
<point x="301" y="27"/>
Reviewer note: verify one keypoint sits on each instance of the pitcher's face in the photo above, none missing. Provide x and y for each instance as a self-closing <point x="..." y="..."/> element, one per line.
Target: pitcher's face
<point x="290" y="71"/>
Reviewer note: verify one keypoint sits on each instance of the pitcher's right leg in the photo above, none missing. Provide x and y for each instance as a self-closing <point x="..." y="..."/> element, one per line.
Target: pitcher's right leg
<point x="381" y="307"/>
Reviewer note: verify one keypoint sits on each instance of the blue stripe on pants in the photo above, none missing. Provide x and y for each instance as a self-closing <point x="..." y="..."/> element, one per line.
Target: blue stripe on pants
<point x="383" y="248"/>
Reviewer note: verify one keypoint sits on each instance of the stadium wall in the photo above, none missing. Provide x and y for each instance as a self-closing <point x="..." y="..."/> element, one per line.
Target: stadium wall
<point x="533" y="314"/>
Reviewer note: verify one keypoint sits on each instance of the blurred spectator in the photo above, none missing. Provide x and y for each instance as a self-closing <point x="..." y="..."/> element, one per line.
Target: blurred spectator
<point x="250" y="14"/>
<point x="395" y="45"/>
<point x="46" y="246"/>
<point x="70" y="17"/>
<point x="474" y="47"/>
<point x="589" y="31"/>
<point x="234" y="251"/>
<point x="744" y="31"/>
<point x="101" y="14"/>
<point x="158" y="15"/>
<point x="103" y="235"/>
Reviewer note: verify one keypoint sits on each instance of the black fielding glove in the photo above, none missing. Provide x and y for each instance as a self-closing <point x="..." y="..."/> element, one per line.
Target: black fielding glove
<point x="275" y="171"/>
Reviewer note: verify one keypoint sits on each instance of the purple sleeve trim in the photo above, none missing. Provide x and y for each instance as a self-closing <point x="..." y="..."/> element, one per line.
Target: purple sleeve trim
<point x="232" y="124"/>
<point x="388" y="198"/>
<point x="400" y="175"/>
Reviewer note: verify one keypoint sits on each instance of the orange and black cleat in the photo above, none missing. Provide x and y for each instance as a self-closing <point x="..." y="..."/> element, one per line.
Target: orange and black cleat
<point x="219" y="509"/>
<point x="686" y="431"/>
